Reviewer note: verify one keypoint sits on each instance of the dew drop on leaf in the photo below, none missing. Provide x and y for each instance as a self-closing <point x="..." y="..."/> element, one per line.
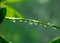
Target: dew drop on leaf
<point x="25" y="21"/>
<point x="54" y="28"/>
<point x="35" y="24"/>
<point x="14" y="21"/>
<point x="30" y="23"/>
<point x="45" y="25"/>
<point x="20" y="20"/>
<point x="49" y="23"/>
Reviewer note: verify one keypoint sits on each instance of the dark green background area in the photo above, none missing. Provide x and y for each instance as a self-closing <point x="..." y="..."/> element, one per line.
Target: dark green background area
<point x="42" y="10"/>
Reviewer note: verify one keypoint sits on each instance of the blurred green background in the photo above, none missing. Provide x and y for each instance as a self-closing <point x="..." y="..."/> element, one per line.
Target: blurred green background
<point x="42" y="10"/>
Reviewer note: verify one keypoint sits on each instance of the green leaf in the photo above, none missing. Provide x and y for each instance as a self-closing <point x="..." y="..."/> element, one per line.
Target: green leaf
<point x="56" y="40"/>
<point x="12" y="12"/>
<point x="2" y="14"/>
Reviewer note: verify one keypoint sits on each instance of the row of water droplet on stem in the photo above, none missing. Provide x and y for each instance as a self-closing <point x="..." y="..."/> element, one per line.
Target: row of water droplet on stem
<point x="31" y="22"/>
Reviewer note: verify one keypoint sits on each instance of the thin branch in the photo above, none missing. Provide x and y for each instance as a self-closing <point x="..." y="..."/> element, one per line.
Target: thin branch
<point x="35" y="22"/>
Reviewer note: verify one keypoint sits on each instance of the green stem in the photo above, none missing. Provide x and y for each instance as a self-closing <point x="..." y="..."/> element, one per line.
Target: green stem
<point x="34" y="22"/>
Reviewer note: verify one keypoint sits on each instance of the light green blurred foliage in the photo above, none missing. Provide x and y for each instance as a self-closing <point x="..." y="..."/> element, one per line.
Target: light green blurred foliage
<point x="10" y="11"/>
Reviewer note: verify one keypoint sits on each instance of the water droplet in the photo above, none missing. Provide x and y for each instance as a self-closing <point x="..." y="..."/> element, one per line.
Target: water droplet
<point x="30" y="23"/>
<point x="34" y="20"/>
<point x="25" y="21"/>
<point x="48" y="23"/>
<point x="45" y="25"/>
<point x="54" y="28"/>
<point x="20" y="20"/>
<point x="35" y="23"/>
<point x="14" y="21"/>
